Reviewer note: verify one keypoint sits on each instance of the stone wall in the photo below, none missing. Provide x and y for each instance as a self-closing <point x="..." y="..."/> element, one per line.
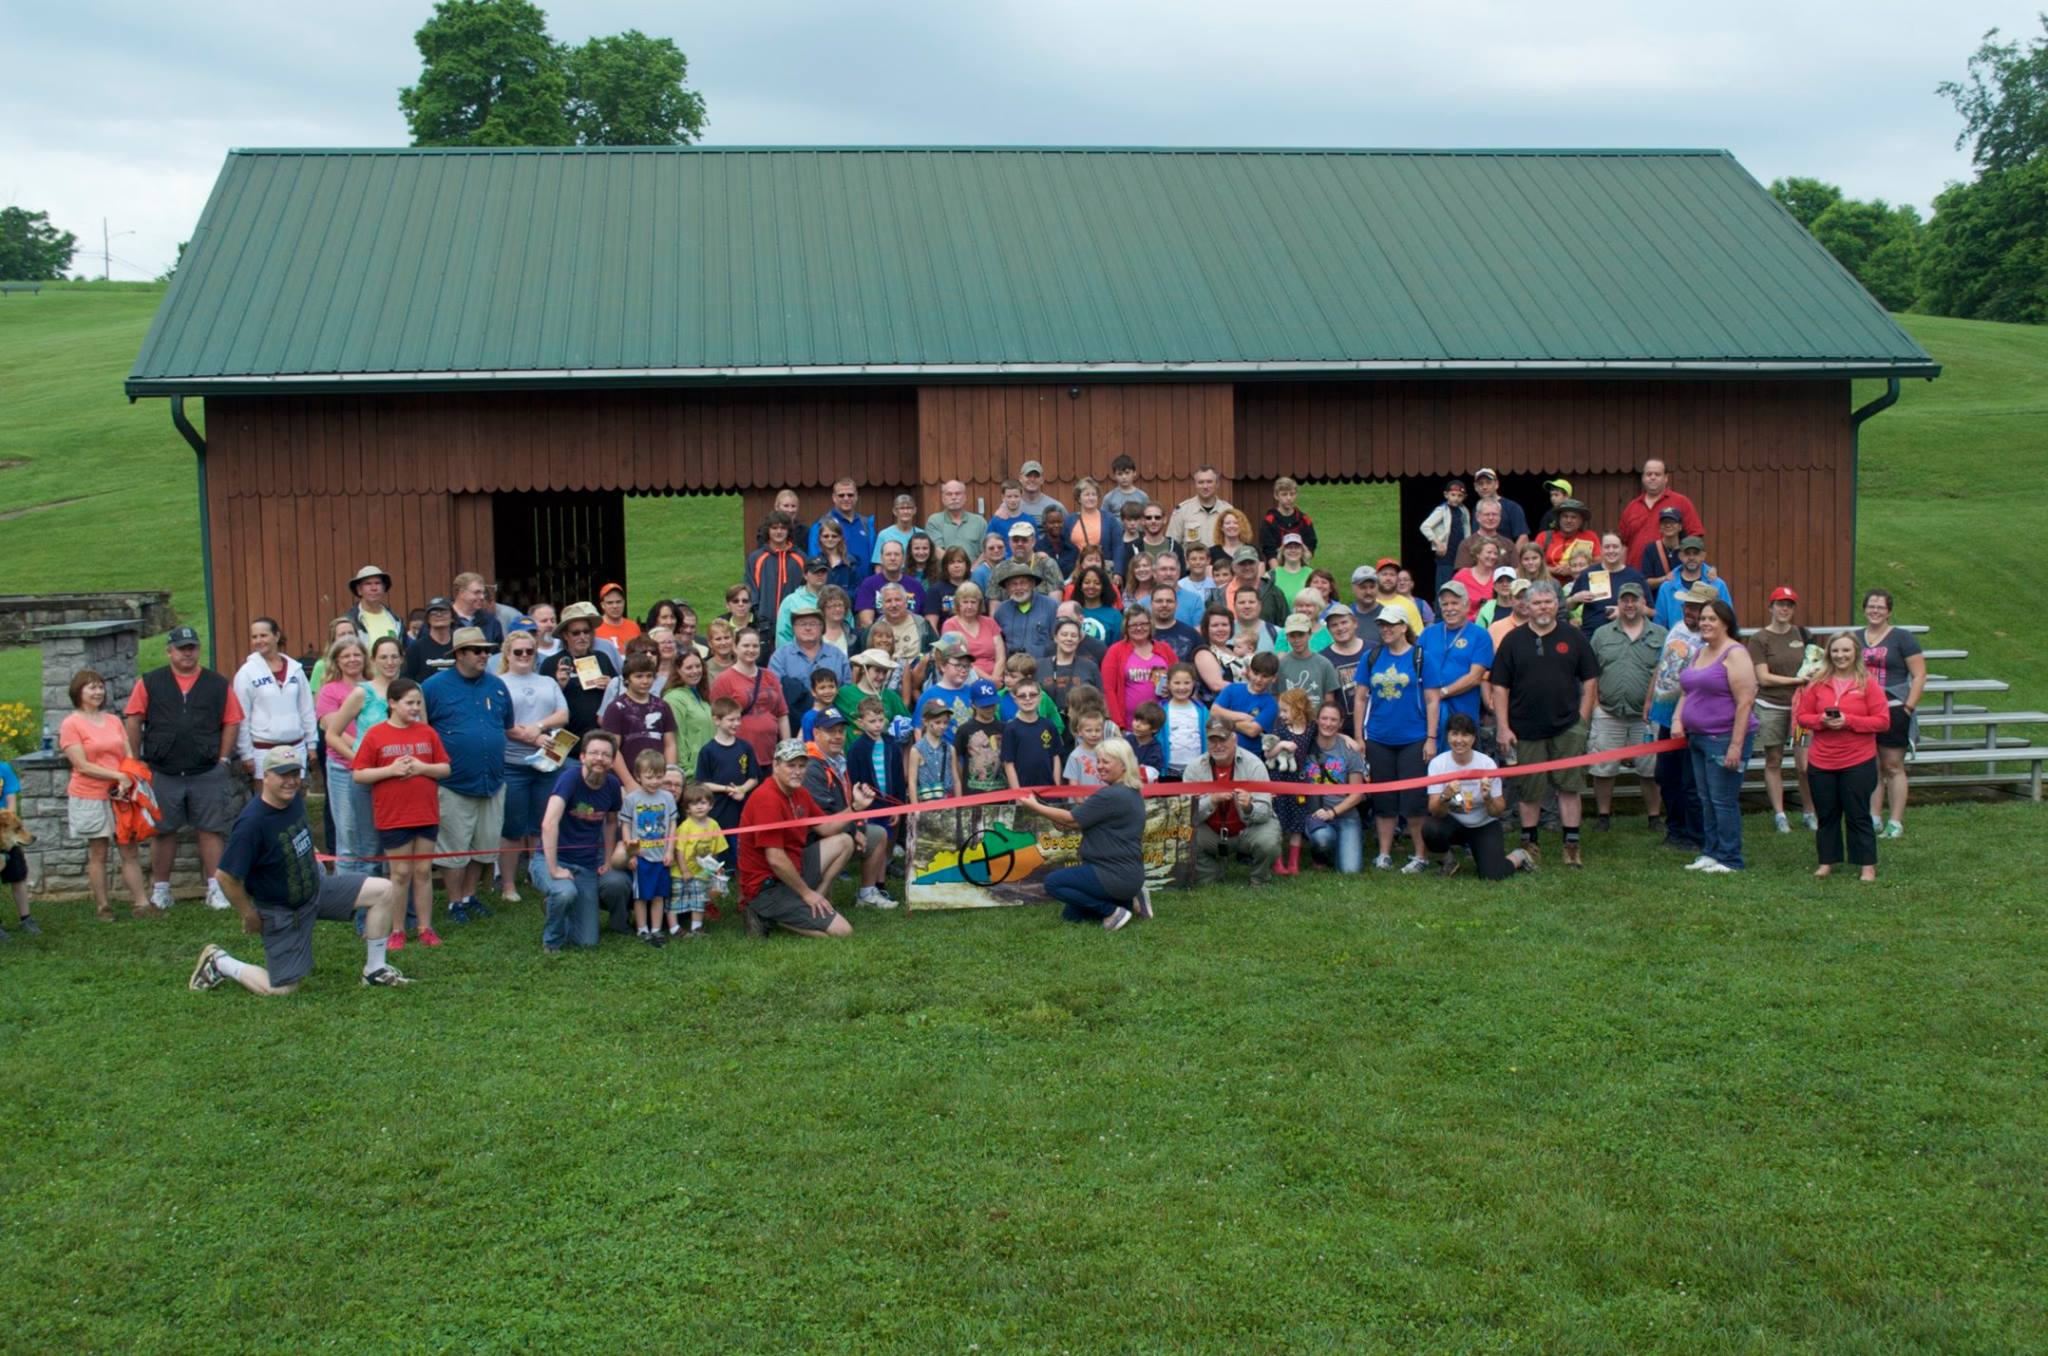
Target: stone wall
<point x="22" y="613"/>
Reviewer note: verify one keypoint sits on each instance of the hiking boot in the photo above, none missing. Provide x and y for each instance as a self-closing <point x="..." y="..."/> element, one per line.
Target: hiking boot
<point x="206" y="974"/>
<point x="1571" y="855"/>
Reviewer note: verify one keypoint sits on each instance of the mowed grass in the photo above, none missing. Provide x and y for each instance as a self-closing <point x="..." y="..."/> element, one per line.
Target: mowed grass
<point x="1619" y="1110"/>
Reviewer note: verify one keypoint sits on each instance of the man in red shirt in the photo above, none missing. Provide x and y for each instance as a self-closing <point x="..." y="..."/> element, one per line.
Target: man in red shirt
<point x="182" y="720"/>
<point x="784" y="874"/>
<point x="1638" y="526"/>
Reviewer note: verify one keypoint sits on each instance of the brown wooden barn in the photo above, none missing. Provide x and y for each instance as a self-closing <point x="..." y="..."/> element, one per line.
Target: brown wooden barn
<point x="442" y="360"/>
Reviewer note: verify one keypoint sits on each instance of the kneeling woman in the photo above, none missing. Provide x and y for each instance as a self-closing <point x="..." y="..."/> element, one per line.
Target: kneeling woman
<point x="1468" y="812"/>
<point x="1109" y="885"/>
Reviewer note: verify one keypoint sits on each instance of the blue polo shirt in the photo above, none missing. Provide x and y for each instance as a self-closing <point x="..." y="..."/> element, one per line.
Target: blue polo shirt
<point x="1263" y="707"/>
<point x="1449" y="655"/>
<point x="471" y="715"/>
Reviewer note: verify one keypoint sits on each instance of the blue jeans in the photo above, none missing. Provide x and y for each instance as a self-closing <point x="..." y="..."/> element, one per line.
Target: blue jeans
<point x="1681" y="791"/>
<point x="1080" y="889"/>
<point x="355" y="829"/>
<point x="572" y="904"/>
<point x="1344" y="837"/>
<point x="1720" y="791"/>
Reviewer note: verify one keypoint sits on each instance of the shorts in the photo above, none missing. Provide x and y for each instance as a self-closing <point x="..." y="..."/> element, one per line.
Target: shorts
<point x="1569" y="781"/>
<point x="390" y="840"/>
<point x="14" y="868"/>
<point x="1899" y="736"/>
<point x="1397" y="762"/>
<point x="778" y="906"/>
<point x="205" y="801"/>
<point x="90" y="818"/>
<point x="472" y="824"/>
<point x="1773" y="726"/>
<point x="652" y="880"/>
<point x="288" y="933"/>
<point x="1618" y="732"/>
<point x="526" y="799"/>
<point x="690" y="895"/>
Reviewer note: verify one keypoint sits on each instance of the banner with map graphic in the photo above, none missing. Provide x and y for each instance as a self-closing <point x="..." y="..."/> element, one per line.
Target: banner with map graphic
<point x="982" y="856"/>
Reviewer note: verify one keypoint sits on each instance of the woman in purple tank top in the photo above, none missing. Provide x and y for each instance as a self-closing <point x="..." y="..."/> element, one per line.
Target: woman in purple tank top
<point x="1715" y="718"/>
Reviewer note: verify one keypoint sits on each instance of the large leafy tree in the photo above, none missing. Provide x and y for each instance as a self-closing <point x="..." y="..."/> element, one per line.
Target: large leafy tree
<point x="1987" y="247"/>
<point x="31" y="249"/>
<point x="491" y="77"/>
<point x="1878" y="243"/>
<point x="627" y="90"/>
<point x="1805" y="199"/>
<point x="2004" y="103"/>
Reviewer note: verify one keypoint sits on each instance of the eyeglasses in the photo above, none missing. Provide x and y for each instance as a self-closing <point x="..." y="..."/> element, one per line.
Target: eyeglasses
<point x="522" y="654"/>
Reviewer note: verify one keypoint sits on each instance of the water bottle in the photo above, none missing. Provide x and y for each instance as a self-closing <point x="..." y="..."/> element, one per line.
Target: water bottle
<point x="49" y="736"/>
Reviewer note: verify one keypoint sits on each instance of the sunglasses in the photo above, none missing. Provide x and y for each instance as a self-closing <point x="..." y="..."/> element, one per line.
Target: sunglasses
<point x="522" y="654"/>
<point x="576" y="631"/>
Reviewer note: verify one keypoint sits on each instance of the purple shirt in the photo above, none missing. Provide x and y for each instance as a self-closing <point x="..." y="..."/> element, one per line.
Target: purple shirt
<point x="867" y="597"/>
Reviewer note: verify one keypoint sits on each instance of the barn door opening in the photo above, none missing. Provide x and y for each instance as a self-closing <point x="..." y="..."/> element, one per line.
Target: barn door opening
<point x="559" y="547"/>
<point x="1421" y="494"/>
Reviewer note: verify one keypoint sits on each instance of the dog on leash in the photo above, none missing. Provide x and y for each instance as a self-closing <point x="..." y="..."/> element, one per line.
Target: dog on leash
<point x="13" y="833"/>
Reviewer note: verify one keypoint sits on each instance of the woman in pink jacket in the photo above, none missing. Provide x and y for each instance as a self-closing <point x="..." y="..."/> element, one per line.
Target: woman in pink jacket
<point x="1134" y="669"/>
<point x="1845" y="708"/>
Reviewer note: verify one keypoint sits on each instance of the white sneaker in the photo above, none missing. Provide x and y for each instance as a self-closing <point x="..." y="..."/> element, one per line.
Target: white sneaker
<point x="1894" y="829"/>
<point x="872" y="897"/>
<point x="1415" y="867"/>
<point x="216" y="898"/>
<point x="160" y="895"/>
<point x="1781" y="823"/>
<point x="1811" y="820"/>
<point x="1714" y="868"/>
<point x="1383" y="863"/>
<point x="1116" y="919"/>
<point x="1700" y="863"/>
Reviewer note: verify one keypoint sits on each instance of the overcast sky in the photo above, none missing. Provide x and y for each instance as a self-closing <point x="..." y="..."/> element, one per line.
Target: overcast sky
<point x="124" y="111"/>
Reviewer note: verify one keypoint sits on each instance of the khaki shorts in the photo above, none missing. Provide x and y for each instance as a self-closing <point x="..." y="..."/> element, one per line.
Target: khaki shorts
<point x="1613" y="732"/>
<point x="90" y="818"/>
<point x="470" y="824"/>
<point x="1773" y="726"/>
<point x="1570" y="781"/>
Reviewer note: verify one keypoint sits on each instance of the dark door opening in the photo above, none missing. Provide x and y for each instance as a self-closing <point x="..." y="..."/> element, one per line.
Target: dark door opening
<point x="1421" y="494"/>
<point x="559" y="547"/>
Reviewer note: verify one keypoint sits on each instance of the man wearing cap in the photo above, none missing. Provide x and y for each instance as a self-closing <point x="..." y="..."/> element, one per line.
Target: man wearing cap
<point x="271" y="877"/>
<point x="785" y="872"/>
<point x="614" y="627"/>
<point x="1693" y="572"/>
<point x="1025" y="615"/>
<point x="1595" y="592"/>
<point x="429" y="652"/>
<point x="1031" y="475"/>
<point x="857" y="529"/>
<point x="1659" y="560"/>
<point x="806" y="594"/>
<point x="1387" y="593"/>
<point x="1777" y="649"/>
<point x="1684" y="821"/>
<point x="373" y="614"/>
<point x="578" y="832"/>
<point x="584" y="670"/>
<point x="1023" y="543"/>
<point x="831" y="786"/>
<point x="471" y="709"/>
<point x="1244" y="577"/>
<point x="182" y="720"/>
<point x="955" y="524"/>
<point x="793" y="664"/>
<point x="1545" y="684"/>
<point x="1514" y="524"/>
<point x="1456" y="652"/>
<point x="1569" y="538"/>
<point x="1639" y="521"/>
<point x="1365" y="591"/>
<point x="1193" y="523"/>
<point x="473" y="607"/>
<point x="1232" y="823"/>
<point x="776" y="568"/>
<point x="1301" y="668"/>
<point x="1628" y="648"/>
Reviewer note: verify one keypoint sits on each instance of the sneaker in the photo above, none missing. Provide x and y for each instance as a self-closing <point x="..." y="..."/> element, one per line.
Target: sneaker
<point x="1142" y="905"/>
<point x="1811" y="820"/>
<point x="692" y="935"/>
<point x="160" y="895"/>
<point x="216" y="898"/>
<point x="1117" y="918"/>
<point x="1714" y="868"/>
<point x="428" y="937"/>
<point x="1894" y="829"/>
<point x="510" y="897"/>
<point x="384" y="977"/>
<point x="1450" y="866"/>
<point x="396" y="942"/>
<point x="206" y="973"/>
<point x="757" y="926"/>
<point x="479" y="909"/>
<point x="1571" y="855"/>
<point x="1522" y="860"/>
<point x="1656" y="823"/>
<point x="1604" y="823"/>
<point x="657" y="939"/>
<point x="1877" y="825"/>
<point x="29" y="926"/>
<point x="1383" y="863"/>
<point x="549" y="950"/>
<point x="458" y="910"/>
<point x="1415" y="866"/>
<point x="1700" y="863"/>
<point x="674" y="927"/>
<point x="872" y="897"/>
<point x="1781" y="823"/>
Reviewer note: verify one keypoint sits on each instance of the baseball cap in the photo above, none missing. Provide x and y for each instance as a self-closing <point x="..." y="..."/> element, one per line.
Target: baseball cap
<point x="1022" y="528"/>
<point x="1298" y="625"/>
<point x="1338" y="610"/>
<point x="524" y="624"/>
<point x="1292" y="538"/>
<point x="1219" y="723"/>
<point x="1457" y="482"/>
<point x="816" y="565"/>
<point x="1485" y="473"/>
<point x="1501" y="572"/>
<point x="1783" y="594"/>
<point x="181" y="636"/>
<point x="1558" y="484"/>
<point x="1244" y="554"/>
<point x="1387" y="563"/>
<point x="619" y="589"/>
<point x="1693" y="544"/>
<point x="439" y="605"/>
<point x="981" y="692"/>
<point x="1700" y="592"/>
<point x="471" y="638"/>
<point x="1363" y="573"/>
<point x="1521" y="586"/>
<point x="1031" y="468"/>
<point x="1391" y="616"/>
<point x="831" y="718"/>
<point x="1670" y="515"/>
<point x="1457" y="587"/>
<point x="1631" y="587"/>
<point x="792" y="751"/>
<point x="284" y="759"/>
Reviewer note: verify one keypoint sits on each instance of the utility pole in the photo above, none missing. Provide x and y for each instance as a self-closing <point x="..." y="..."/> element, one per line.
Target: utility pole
<point x="107" y="250"/>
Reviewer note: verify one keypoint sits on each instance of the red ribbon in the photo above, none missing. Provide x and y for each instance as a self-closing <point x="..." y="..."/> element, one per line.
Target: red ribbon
<point x="1155" y="789"/>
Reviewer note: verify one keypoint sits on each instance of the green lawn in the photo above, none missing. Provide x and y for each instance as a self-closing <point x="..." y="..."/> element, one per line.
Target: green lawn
<point x="1622" y="1110"/>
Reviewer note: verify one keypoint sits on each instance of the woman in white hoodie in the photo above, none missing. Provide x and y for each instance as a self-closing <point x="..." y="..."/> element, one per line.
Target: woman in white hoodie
<point x="277" y="701"/>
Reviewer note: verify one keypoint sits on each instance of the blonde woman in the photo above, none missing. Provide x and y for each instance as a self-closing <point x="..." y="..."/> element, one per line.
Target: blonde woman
<point x="978" y="632"/>
<point x="347" y="666"/>
<point x="1108" y="887"/>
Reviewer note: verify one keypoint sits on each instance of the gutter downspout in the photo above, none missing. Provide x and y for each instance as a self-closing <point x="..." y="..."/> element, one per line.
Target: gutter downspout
<point x="1856" y="421"/>
<point x="192" y="436"/>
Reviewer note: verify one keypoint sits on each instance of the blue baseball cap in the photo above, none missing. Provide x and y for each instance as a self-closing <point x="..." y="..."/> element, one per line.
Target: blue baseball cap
<point x="831" y="718"/>
<point x="982" y="692"/>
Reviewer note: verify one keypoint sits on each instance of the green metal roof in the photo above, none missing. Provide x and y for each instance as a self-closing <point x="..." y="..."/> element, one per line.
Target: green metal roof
<point x="329" y="269"/>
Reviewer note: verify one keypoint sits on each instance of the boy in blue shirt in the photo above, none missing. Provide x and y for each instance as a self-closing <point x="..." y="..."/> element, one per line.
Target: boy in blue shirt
<point x="1146" y="723"/>
<point x="1252" y="706"/>
<point x="725" y="767"/>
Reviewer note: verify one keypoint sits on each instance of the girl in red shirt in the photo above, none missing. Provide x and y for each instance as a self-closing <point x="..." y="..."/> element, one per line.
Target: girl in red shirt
<point x="400" y="761"/>
<point x="1845" y="708"/>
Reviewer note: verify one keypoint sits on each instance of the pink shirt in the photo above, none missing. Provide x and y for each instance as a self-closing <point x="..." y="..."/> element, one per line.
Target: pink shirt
<point x="105" y="743"/>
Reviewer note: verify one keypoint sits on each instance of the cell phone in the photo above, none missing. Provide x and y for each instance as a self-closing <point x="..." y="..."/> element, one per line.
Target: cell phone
<point x="1833" y="713"/>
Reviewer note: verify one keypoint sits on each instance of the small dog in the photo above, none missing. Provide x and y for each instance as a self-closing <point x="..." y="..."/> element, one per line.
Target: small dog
<point x="13" y="833"/>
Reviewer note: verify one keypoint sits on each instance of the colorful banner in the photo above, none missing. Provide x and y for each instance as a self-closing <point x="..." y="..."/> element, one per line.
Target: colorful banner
<point x="984" y="856"/>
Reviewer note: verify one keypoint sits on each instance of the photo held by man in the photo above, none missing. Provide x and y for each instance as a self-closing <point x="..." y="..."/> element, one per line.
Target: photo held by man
<point x="913" y="679"/>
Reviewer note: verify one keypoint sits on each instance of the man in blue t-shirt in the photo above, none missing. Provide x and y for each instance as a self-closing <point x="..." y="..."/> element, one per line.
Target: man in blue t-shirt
<point x="572" y="869"/>
<point x="1252" y="707"/>
<point x="1456" y="654"/>
<point x="471" y="709"/>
